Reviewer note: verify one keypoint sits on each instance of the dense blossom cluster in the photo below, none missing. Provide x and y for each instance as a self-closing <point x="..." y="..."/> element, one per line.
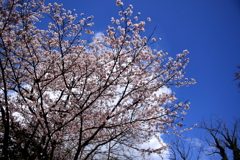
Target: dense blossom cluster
<point x="62" y="97"/>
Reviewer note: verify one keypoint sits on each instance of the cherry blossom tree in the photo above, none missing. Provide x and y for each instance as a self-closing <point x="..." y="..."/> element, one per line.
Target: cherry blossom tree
<point x="65" y="98"/>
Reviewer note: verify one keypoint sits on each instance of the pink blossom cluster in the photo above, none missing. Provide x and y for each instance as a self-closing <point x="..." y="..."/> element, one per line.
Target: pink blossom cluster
<point x="74" y="98"/>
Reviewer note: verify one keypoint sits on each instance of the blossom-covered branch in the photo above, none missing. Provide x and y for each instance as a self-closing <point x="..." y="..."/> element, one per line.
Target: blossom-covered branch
<point x="72" y="99"/>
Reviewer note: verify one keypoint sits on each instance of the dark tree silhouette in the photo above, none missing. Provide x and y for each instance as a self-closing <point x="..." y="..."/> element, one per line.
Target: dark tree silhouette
<point x="184" y="148"/>
<point x="222" y="137"/>
<point x="237" y="76"/>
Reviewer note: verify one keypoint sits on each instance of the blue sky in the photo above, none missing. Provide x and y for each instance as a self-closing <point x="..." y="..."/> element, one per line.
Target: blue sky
<point x="209" y="29"/>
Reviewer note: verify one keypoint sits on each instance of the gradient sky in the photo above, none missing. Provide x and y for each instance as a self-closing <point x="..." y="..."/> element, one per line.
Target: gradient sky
<point x="209" y="29"/>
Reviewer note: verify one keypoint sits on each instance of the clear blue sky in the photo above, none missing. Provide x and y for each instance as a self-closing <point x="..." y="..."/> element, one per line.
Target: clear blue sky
<point x="209" y="29"/>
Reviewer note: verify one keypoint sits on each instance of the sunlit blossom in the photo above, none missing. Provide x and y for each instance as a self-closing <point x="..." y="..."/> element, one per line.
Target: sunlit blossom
<point x="154" y="39"/>
<point x="73" y="94"/>
<point x="119" y="3"/>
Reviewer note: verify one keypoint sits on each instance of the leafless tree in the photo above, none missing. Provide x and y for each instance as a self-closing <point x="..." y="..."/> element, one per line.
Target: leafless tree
<point x="222" y="138"/>
<point x="237" y="76"/>
<point x="185" y="148"/>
